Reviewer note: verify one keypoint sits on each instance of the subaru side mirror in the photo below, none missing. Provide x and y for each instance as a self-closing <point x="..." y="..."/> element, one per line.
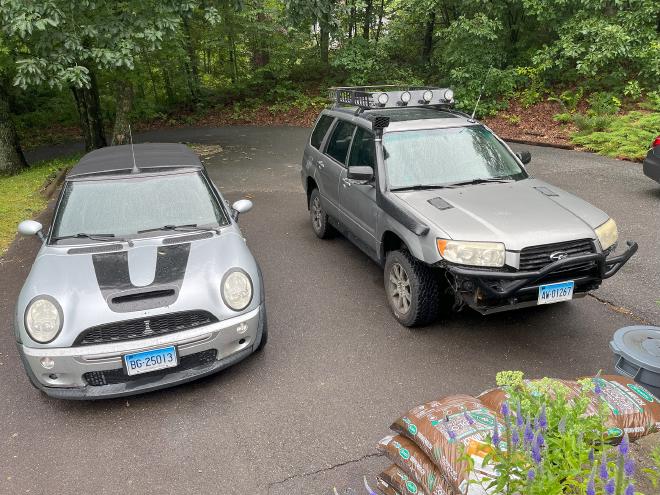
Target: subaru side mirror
<point x="361" y="172"/>
<point x="524" y="156"/>
<point x="241" y="206"/>
<point x="31" y="227"/>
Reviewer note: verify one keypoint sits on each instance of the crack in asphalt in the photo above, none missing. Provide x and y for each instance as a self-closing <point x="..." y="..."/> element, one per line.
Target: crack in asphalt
<point x="620" y="309"/>
<point x="334" y="466"/>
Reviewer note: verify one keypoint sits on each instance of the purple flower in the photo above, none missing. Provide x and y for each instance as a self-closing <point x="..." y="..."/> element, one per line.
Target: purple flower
<point x="629" y="467"/>
<point x="531" y="475"/>
<point x="515" y="437"/>
<point x="543" y="420"/>
<point x="540" y="441"/>
<point x="505" y="409"/>
<point x="591" y="456"/>
<point x="452" y="434"/>
<point x="609" y="487"/>
<point x="603" y="473"/>
<point x="529" y="433"/>
<point x="630" y="489"/>
<point x="624" y="446"/>
<point x="468" y="418"/>
<point x="519" y="417"/>
<point x="597" y="389"/>
<point x="496" y="435"/>
<point x="536" y="453"/>
<point x="591" y="487"/>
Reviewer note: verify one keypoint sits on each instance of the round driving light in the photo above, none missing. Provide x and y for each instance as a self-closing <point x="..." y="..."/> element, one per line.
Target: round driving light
<point x="43" y="319"/>
<point x="382" y="99"/>
<point x="428" y="96"/>
<point x="237" y="290"/>
<point x="405" y="97"/>
<point x="449" y="95"/>
<point x="47" y="363"/>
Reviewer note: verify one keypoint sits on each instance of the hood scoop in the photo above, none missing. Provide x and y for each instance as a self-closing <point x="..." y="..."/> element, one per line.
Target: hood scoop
<point x="546" y="191"/>
<point x="106" y="248"/>
<point x="440" y="203"/>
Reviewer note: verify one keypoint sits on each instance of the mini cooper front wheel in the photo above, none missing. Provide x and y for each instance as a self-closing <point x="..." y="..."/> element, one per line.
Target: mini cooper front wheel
<point x="412" y="290"/>
<point x="322" y="228"/>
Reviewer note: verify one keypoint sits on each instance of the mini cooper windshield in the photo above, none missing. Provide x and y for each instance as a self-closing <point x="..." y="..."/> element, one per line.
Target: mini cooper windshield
<point x="110" y="209"/>
<point x="444" y="157"/>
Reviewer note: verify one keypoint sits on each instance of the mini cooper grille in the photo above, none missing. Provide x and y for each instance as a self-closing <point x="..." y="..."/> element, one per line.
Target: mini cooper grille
<point x="536" y="257"/>
<point x="145" y="327"/>
<point x="113" y="377"/>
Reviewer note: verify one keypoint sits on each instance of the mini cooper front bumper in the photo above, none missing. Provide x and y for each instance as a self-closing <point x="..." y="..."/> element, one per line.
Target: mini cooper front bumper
<point x="96" y="371"/>
<point x="492" y="291"/>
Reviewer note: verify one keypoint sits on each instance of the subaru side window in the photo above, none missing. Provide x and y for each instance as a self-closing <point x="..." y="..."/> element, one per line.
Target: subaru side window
<point x="340" y="141"/>
<point x="321" y="130"/>
<point x="363" y="151"/>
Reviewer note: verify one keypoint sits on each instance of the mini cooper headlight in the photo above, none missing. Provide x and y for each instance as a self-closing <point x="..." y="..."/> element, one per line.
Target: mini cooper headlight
<point x="472" y="253"/>
<point x="237" y="289"/>
<point x="43" y="319"/>
<point x="607" y="234"/>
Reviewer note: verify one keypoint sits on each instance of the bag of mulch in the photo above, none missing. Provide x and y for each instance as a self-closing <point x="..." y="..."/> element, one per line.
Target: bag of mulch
<point x="415" y="464"/>
<point x="633" y="409"/>
<point x="394" y="481"/>
<point x="448" y="430"/>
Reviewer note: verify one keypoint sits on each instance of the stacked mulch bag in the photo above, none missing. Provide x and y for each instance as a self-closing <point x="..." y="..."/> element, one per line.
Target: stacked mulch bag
<point x="432" y="441"/>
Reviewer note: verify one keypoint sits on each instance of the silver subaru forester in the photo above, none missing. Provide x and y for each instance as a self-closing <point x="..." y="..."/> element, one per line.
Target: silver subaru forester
<point x="144" y="280"/>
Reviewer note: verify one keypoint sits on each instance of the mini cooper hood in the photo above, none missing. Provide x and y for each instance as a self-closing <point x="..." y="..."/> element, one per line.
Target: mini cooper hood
<point x="183" y="276"/>
<point x="524" y="213"/>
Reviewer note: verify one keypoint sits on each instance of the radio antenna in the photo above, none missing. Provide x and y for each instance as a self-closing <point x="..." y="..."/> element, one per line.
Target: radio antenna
<point x="481" y="91"/>
<point x="135" y="169"/>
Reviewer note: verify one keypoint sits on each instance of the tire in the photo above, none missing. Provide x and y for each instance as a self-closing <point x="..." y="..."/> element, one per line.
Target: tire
<point x="413" y="292"/>
<point x="319" y="217"/>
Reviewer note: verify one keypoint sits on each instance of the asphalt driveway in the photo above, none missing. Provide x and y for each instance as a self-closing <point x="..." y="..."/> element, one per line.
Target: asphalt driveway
<point x="305" y="415"/>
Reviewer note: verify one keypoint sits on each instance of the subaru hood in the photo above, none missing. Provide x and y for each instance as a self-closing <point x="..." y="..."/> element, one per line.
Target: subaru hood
<point x="525" y="213"/>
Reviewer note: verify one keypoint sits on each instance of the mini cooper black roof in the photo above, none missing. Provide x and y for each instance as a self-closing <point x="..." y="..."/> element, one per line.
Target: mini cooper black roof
<point x="149" y="157"/>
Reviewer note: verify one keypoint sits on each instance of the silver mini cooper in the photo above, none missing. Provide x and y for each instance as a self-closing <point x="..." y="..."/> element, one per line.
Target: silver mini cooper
<point x="144" y="280"/>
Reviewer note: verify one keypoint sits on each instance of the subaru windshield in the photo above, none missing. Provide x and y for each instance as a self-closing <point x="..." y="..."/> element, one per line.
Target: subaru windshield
<point x="127" y="206"/>
<point x="449" y="156"/>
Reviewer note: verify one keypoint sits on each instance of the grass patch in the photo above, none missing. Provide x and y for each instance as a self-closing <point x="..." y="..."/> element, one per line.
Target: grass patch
<point x="21" y="196"/>
<point x="625" y="136"/>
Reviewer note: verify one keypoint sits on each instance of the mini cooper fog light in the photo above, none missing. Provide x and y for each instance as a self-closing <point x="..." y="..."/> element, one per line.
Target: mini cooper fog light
<point x="405" y="97"/>
<point x="236" y="289"/>
<point x="428" y="96"/>
<point x="47" y="363"/>
<point x="449" y="95"/>
<point x="383" y="98"/>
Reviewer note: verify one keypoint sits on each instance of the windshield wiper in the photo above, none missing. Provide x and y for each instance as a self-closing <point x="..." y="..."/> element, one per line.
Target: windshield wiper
<point x="418" y="187"/>
<point x="92" y="237"/>
<point x="188" y="227"/>
<point x="480" y="181"/>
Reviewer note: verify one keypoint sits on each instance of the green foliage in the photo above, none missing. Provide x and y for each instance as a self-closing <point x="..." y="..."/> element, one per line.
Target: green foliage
<point x="625" y="136"/>
<point x="602" y="103"/>
<point x="653" y="473"/>
<point x="563" y="118"/>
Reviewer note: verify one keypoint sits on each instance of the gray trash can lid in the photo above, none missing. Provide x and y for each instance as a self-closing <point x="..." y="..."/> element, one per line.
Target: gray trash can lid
<point x="639" y="345"/>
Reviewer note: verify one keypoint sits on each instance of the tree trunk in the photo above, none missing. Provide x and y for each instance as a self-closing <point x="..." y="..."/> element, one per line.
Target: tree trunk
<point x="381" y="14"/>
<point x="351" y="22"/>
<point x="367" y="19"/>
<point x="89" y="113"/>
<point x="324" y="45"/>
<point x="124" y="97"/>
<point x="427" y="49"/>
<point x="12" y="159"/>
<point x="260" y="53"/>
<point x="192" y="64"/>
<point x="167" y="82"/>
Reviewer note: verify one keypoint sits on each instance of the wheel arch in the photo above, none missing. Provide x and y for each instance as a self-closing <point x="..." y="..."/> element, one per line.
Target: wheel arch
<point x="310" y="185"/>
<point x="391" y="240"/>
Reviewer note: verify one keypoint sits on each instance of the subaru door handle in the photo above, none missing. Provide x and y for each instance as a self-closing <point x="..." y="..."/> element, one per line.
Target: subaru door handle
<point x="321" y="164"/>
<point x="347" y="182"/>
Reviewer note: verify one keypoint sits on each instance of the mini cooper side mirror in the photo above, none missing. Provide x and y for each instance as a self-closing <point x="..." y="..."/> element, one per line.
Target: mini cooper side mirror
<point x="360" y="173"/>
<point x="30" y="227"/>
<point x="241" y="206"/>
<point x="524" y="156"/>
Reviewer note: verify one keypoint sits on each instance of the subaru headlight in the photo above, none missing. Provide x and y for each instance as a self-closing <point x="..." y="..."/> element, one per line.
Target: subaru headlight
<point x="472" y="253"/>
<point x="607" y="234"/>
<point x="237" y="289"/>
<point x="43" y="319"/>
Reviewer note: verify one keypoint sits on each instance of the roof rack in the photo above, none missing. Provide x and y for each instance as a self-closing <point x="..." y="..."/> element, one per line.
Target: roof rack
<point x="390" y="96"/>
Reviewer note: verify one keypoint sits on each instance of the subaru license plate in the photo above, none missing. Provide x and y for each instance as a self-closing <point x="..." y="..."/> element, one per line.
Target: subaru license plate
<point x="155" y="359"/>
<point x="552" y="293"/>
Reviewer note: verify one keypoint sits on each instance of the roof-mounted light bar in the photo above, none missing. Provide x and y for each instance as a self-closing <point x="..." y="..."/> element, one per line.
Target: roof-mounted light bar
<point x="371" y="97"/>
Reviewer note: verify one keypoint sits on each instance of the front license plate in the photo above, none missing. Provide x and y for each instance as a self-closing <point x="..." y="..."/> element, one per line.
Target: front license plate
<point x="552" y="293"/>
<point x="155" y="359"/>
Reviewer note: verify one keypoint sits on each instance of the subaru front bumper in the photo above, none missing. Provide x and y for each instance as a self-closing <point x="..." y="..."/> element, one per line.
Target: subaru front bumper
<point x="491" y="291"/>
<point x="96" y="371"/>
